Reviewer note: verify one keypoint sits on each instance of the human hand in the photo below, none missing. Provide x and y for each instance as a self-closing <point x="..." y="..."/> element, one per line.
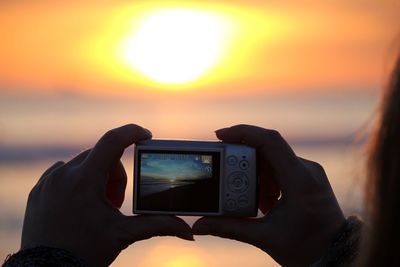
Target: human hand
<point x="301" y="225"/>
<point x="74" y="205"/>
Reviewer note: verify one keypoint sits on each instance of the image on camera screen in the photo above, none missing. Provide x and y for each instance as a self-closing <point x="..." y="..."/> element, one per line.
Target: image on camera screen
<point x="178" y="181"/>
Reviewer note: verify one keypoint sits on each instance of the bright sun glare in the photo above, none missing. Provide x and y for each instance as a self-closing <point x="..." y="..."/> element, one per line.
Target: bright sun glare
<point x="175" y="46"/>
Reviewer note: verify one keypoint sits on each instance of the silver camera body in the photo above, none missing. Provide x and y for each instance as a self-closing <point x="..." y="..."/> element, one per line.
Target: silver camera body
<point x="195" y="178"/>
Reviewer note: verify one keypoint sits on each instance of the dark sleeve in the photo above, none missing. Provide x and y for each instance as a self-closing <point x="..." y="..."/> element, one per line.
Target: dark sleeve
<point x="345" y="247"/>
<point x="43" y="256"/>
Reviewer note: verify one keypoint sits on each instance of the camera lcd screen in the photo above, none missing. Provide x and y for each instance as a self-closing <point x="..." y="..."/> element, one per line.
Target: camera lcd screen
<point x="178" y="181"/>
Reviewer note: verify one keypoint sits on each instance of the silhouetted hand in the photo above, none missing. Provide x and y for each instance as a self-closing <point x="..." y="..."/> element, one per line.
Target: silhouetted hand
<point x="301" y="225"/>
<point x="74" y="205"/>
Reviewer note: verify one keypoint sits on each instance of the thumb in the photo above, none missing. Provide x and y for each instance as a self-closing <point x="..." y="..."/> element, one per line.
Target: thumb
<point x="141" y="227"/>
<point x="240" y="229"/>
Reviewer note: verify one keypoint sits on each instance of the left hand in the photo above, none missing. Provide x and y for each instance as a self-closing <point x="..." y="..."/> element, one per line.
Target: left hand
<point x="74" y="205"/>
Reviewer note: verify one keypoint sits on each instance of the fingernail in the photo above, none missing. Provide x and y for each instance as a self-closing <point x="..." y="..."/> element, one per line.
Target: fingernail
<point x="220" y="131"/>
<point x="187" y="236"/>
<point x="148" y="131"/>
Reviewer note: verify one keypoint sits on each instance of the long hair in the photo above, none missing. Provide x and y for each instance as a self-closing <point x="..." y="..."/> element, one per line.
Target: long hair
<point x="383" y="184"/>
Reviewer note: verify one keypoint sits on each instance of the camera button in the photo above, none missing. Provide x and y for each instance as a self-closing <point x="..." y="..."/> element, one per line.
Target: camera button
<point x="244" y="164"/>
<point x="243" y="201"/>
<point x="231" y="204"/>
<point x="232" y="160"/>
<point x="238" y="182"/>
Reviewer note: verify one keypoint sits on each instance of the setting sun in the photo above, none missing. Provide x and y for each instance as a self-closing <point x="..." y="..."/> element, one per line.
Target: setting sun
<point x="176" y="45"/>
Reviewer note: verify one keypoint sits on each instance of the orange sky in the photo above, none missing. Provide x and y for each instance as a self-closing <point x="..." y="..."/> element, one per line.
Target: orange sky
<point x="310" y="69"/>
<point x="299" y="45"/>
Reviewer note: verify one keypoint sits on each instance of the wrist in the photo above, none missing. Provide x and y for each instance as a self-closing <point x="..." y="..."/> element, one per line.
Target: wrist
<point x="345" y="247"/>
<point x="44" y="256"/>
<point x="316" y="243"/>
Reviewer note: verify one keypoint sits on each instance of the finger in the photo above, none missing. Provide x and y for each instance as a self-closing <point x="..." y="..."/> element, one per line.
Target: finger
<point x="269" y="193"/>
<point x="317" y="172"/>
<point x="269" y="142"/>
<point x="116" y="185"/>
<point x="272" y="149"/>
<point x="268" y="188"/>
<point x="109" y="149"/>
<point x="141" y="227"/>
<point x="240" y="229"/>
<point x="75" y="161"/>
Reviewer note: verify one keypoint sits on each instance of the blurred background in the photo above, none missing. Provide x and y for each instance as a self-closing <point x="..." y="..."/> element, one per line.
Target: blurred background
<point x="71" y="70"/>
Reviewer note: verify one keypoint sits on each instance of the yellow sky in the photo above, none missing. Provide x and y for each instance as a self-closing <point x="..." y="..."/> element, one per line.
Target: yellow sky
<point x="57" y="45"/>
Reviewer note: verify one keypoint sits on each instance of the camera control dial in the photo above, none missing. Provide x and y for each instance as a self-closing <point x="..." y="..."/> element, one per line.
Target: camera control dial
<point x="238" y="182"/>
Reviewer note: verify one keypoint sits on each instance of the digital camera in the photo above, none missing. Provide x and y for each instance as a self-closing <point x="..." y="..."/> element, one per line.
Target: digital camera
<point x="195" y="178"/>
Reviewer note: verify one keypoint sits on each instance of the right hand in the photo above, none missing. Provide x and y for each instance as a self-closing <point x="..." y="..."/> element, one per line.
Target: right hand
<point x="302" y="223"/>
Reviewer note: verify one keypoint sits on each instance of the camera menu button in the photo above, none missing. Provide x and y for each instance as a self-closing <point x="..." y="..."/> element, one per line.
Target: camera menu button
<point x="243" y="201"/>
<point x="232" y="160"/>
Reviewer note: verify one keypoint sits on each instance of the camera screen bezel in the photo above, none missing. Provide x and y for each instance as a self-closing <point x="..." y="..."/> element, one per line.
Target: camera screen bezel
<point x="218" y="160"/>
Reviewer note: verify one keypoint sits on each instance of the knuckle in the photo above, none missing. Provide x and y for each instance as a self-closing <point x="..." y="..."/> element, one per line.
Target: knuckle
<point x="275" y="139"/>
<point x="60" y="162"/>
<point x="316" y="167"/>
<point x="33" y="194"/>
<point x="318" y="178"/>
<point x="274" y="134"/>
